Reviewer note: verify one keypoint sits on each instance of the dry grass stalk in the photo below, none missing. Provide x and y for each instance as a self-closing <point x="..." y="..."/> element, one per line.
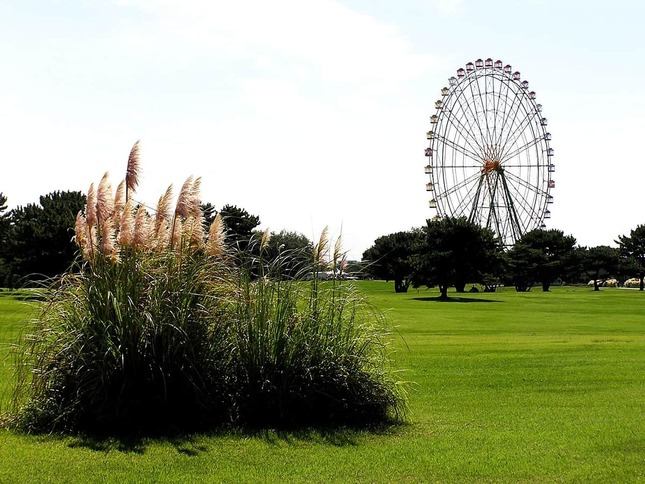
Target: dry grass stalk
<point x="195" y="202"/>
<point x="264" y="242"/>
<point x="338" y="255"/>
<point x="108" y="246"/>
<point x="141" y="240"/>
<point x="322" y="247"/>
<point x="119" y="197"/>
<point x="90" y="206"/>
<point x="82" y="236"/>
<point x="104" y="199"/>
<point x="194" y="232"/>
<point x="216" y="237"/>
<point x="163" y="220"/>
<point x="177" y="233"/>
<point x="132" y="171"/>
<point x="185" y="198"/>
<point x="126" y="226"/>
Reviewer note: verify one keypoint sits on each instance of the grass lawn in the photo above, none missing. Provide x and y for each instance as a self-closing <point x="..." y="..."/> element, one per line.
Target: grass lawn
<point x="507" y="387"/>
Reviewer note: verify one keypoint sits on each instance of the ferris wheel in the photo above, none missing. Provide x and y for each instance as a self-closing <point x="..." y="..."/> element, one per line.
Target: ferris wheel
<point x="489" y="158"/>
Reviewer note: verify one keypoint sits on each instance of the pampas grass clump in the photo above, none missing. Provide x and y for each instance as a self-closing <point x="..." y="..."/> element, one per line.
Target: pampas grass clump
<point x="310" y="353"/>
<point x="161" y="328"/>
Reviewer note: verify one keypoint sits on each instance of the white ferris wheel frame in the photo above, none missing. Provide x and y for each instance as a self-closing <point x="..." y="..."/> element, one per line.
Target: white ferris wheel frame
<point x="489" y="153"/>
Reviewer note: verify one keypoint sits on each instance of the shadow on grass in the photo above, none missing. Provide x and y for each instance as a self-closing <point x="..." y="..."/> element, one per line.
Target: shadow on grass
<point x="193" y="444"/>
<point x="457" y="299"/>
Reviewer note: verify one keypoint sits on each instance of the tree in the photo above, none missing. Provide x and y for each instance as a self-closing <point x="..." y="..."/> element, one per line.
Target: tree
<point x="457" y="252"/>
<point x="239" y="225"/>
<point x="633" y="247"/>
<point x="38" y="241"/>
<point x="293" y="250"/>
<point x="600" y="262"/>
<point x="4" y="229"/>
<point x="391" y="257"/>
<point x="541" y="255"/>
<point x="209" y="213"/>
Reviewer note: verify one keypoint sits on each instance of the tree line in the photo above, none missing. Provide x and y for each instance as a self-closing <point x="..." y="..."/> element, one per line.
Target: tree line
<point x="453" y="252"/>
<point x="36" y="241"/>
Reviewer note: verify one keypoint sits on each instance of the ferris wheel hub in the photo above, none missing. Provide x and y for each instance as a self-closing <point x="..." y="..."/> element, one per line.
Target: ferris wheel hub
<point x="491" y="165"/>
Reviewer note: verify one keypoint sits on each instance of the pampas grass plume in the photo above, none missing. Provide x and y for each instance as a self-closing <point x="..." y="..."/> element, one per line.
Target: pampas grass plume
<point x="321" y="248"/>
<point x="132" y="171"/>
<point x="90" y="206"/>
<point x="141" y="238"/>
<point x="104" y="202"/>
<point x="215" y="246"/>
<point x="184" y="198"/>
<point x="126" y="227"/>
<point x="266" y="236"/>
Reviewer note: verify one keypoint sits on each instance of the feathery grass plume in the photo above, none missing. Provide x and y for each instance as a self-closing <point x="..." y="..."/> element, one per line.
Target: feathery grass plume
<point x="264" y="242"/>
<point x="321" y="248"/>
<point x="215" y="247"/>
<point x="104" y="199"/>
<point x="194" y="232"/>
<point x="185" y="198"/>
<point x="90" y="206"/>
<point x="338" y="256"/>
<point x="195" y="207"/>
<point x="119" y="199"/>
<point x="81" y="236"/>
<point x="132" y="171"/>
<point x="141" y="239"/>
<point x="176" y="237"/>
<point x="108" y="246"/>
<point x="126" y="226"/>
<point x="162" y="220"/>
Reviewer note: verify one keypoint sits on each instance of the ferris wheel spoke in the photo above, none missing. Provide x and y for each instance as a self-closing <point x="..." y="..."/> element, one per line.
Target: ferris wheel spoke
<point x="512" y="108"/>
<point x="458" y="186"/>
<point x="519" y="150"/>
<point x="468" y="200"/>
<point x="473" y="111"/>
<point x="463" y="129"/>
<point x="502" y="95"/>
<point x="530" y="192"/>
<point x="519" y="129"/>
<point x="483" y="99"/>
<point x="513" y="205"/>
<point x="461" y="149"/>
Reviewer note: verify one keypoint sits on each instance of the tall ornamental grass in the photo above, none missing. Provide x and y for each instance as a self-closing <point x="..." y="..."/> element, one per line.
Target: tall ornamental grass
<point x="309" y="352"/>
<point x="161" y="328"/>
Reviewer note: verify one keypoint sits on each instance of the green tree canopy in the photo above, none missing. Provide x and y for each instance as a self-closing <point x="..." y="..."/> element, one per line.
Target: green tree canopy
<point x="633" y="247"/>
<point x="239" y="225"/>
<point x="600" y="262"/>
<point x="391" y="257"/>
<point x="457" y="252"/>
<point x="38" y="241"/>
<point x="542" y="256"/>
<point x="293" y="250"/>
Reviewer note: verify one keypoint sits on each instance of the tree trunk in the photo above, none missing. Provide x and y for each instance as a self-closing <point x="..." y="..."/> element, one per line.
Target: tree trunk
<point x="444" y="291"/>
<point x="460" y="287"/>
<point x="400" y="285"/>
<point x="546" y="286"/>
<point x="596" y="287"/>
<point x="641" y="286"/>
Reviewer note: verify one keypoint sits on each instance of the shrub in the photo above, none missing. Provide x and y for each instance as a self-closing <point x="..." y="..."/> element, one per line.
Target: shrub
<point x="160" y="328"/>
<point x="310" y="353"/>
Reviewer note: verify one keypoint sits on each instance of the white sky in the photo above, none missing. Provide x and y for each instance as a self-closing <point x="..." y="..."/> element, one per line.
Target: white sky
<point x="313" y="113"/>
